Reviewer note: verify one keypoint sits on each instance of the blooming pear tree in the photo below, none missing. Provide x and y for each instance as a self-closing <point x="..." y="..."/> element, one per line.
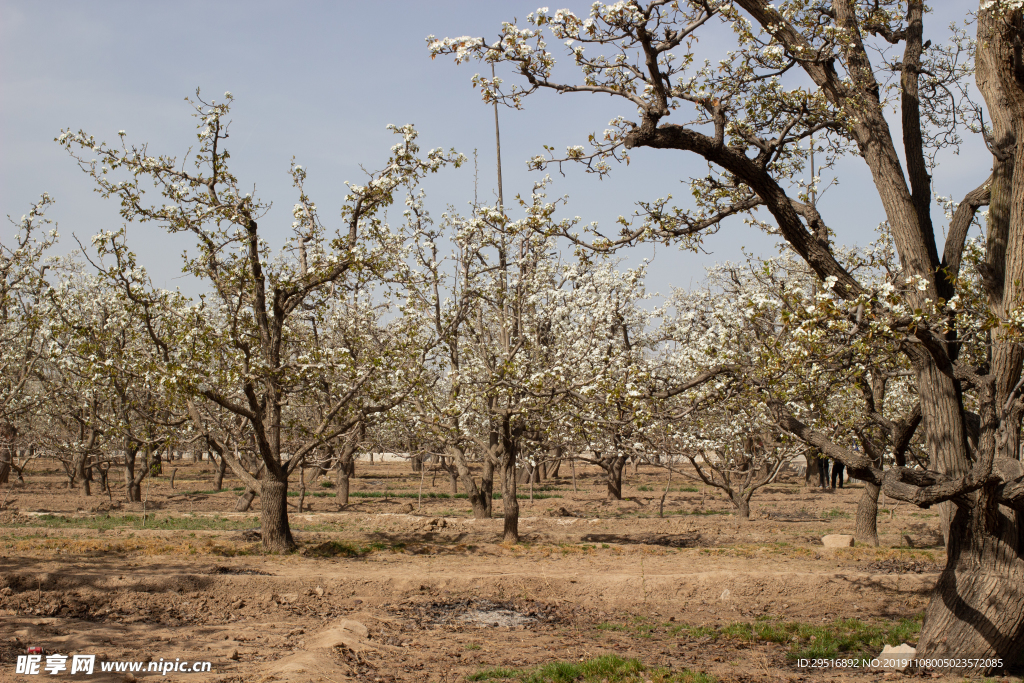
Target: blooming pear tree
<point x="243" y="329"/>
<point x="752" y="121"/>
<point x="23" y="321"/>
<point x="107" y="399"/>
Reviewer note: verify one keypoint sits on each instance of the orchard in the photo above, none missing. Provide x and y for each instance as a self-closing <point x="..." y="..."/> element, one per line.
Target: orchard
<point x="359" y="451"/>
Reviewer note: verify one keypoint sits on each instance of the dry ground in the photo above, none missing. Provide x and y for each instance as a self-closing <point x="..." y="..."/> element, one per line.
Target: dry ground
<point x="394" y="590"/>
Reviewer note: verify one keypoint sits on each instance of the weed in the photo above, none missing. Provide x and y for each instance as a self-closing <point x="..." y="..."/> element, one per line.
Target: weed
<point x="808" y="641"/>
<point x="844" y="636"/>
<point x="105" y="522"/>
<point x="606" y="669"/>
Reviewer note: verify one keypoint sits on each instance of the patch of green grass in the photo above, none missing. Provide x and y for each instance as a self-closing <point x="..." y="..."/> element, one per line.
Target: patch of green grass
<point x="843" y="637"/>
<point x="104" y="522"/>
<point x="835" y="513"/>
<point x="472" y="646"/>
<point x="313" y="494"/>
<point x="606" y="669"/>
<point x="695" y="631"/>
<point x="327" y="484"/>
<point x="608" y="626"/>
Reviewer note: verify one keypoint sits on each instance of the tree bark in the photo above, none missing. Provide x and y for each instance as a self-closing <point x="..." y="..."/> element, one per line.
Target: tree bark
<point x="218" y="477"/>
<point x="509" y="495"/>
<point x="7" y="434"/>
<point x="866" y="531"/>
<point x="343" y="481"/>
<point x="80" y="474"/>
<point x="274" y="528"/>
<point x="245" y="501"/>
<point x="742" y="504"/>
<point x="813" y="466"/>
<point x="453" y="478"/>
<point x="977" y="608"/>
<point x="347" y="466"/>
<point x="613" y="468"/>
<point x="133" y="480"/>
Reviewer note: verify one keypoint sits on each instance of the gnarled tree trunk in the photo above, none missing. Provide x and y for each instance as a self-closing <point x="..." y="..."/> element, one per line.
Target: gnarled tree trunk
<point x="276" y="533"/>
<point x="613" y="467"/>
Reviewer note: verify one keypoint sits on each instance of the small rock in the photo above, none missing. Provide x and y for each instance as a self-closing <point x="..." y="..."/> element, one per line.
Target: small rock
<point x="238" y="604"/>
<point x="319" y="591"/>
<point x="894" y="655"/>
<point x="725" y="594"/>
<point x="129" y="678"/>
<point x="234" y="655"/>
<point x="6" y="591"/>
<point x="837" y="541"/>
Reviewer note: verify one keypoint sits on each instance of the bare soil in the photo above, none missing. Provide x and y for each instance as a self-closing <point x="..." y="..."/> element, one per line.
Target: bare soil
<point x="399" y="588"/>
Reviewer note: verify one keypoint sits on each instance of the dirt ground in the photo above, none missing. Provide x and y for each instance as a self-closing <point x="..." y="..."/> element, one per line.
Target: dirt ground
<point x="402" y="588"/>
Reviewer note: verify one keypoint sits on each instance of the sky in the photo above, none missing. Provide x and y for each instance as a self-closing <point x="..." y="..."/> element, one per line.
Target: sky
<point x="319" y="81"/>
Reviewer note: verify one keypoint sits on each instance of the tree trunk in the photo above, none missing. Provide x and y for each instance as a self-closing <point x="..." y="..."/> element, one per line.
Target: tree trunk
<point x="556" y="461"/>
<point x="509" y="495"/>
<point x="218" y="477"/>
<point x="347" y="468"/>
<point x="742" y="504"/>
<point x="245" y="500"/>
<point x="977" y="607"/>
<point x="613" y="469"/>
<point x="482" y="497"/>
<point x="813" y="465"/>
<point x="133" y="487"/>
<point x="80" y="474"/>
<point x="274" y="529"/>
<point x="528" y="474"/>
<point x="315" y="473"/>
<point x="7" y="434"/>
<point x="343" y="481"/>
<point x="866" y="532"/>
<point x="479" y="496"/>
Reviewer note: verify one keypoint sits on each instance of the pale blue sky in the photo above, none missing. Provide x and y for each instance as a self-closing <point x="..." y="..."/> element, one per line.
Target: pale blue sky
<point x="320" y="80"/>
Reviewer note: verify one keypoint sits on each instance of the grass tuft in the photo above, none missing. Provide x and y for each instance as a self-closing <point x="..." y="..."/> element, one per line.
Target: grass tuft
<point x="606" y="669"/>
